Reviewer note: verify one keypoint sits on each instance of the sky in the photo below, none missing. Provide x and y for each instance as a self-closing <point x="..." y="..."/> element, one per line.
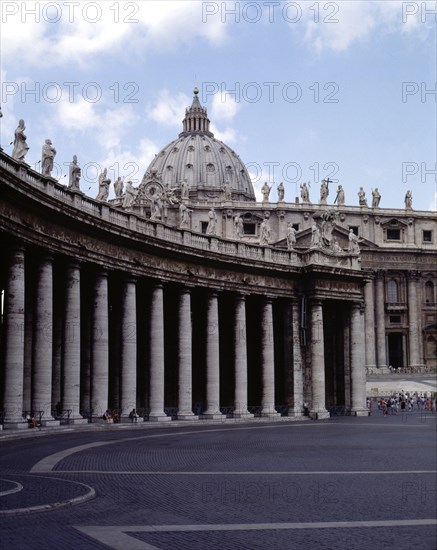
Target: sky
<point x="300" y="90"/>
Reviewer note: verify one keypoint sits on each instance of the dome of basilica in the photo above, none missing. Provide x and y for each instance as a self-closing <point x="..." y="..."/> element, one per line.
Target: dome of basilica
<point x="206" y="163"/>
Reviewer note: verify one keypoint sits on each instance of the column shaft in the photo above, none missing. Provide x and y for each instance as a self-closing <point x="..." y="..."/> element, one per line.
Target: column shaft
<point x="240" y="403"/>
<point x="268" y="361"/>
<point x="128" y="348"/>
<point x="212" y="360"/>
<point x="71" y="338"/>
<point x="14" y="342"/>
<point x="318" y="409"/>
<point x="297" y="363"/>
<point x="43" y="340"/>
<point x="380" y="322"/>
<point x="100" y="346"/>
<point x="413" y="322"/>
<point x="358" y="374"/>
<point x="185" y="396"/>
<point x="369" y="317"/>
<point x="157" y="363"/>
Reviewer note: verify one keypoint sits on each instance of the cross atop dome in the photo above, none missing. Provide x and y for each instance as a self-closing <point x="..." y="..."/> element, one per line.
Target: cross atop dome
<point x="196" y="119"/>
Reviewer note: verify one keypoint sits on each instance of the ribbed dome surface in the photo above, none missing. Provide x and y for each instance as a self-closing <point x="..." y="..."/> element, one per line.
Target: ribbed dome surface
<point x="206" y="163"/>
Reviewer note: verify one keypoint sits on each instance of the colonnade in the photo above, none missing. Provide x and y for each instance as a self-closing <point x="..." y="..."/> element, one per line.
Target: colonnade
<point x="85" y="379"/>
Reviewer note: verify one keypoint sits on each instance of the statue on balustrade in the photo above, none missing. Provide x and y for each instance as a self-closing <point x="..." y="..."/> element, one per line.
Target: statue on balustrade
<point x="20" y="146"/>
<point x="304" y="193"/>
<point x="291" y="236"/>
<point x="104" y="183"/>
<point x="118" y="187"/>
<point x="264" y="233"/>
<point x="239" y="227"/>
<point x="354" y="247"/>
<point x="129" y="196"/>
<point x="340" y="198"/>
<point x="74" y="174"/>
<point x="184" y="216"/>
<point x="376" y="197"/>
<point x="155" y="208"/>
<point x="315" y="236"/>
<point x="324" y="191"/>
<point x="227" y="190"/>
<point x="409" y="200"/>
<point x="211" y="228"/>
<point x="265" y="190"/>
<point x="362" y="197"/>
<point x="48" y="156"/>
<point x="281" y="192"/>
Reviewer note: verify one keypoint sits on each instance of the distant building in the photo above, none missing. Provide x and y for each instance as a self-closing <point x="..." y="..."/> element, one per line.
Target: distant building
<point x="186" y="298"/>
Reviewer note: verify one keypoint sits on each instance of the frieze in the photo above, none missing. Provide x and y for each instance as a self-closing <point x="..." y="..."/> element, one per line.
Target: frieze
<point x="337" y="286"/>
<point x="398" y="258"/>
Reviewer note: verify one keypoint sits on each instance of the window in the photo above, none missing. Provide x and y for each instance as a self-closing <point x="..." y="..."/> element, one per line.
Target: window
<point x="354" y="229"/>
<point x="296" y="226"/>
<point x="392" y="292"/>
<point x="429" y="292"/>
<point x="395" y="319"/>
<point x="427" y="236"/>
<point x="203" y="227"/>
<point x="393" y="234"/>
<point x="249" y="228"/>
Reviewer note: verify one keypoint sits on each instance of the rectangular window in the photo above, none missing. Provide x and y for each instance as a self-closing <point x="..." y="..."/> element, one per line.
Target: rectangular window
<point x="427" y="236"/>
<point x="249" y="228"/>
<point x="393" y="234"/>
<point x="395" y="319"/>
<point x="203" y="227"/>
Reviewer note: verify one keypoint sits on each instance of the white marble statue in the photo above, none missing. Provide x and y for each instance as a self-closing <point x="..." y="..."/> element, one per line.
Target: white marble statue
<point x="239" y="227"/>
<point x="408" y="200"/>
<point x="354" y="247"/>
<point x="104" y="183"/>
<point x="281" y="192"/>
<point x="227" y="190"/>
<point x="212" y="223"/>
<point x="129" y="195"/>
<point x="362" y="197"/>
<point x="376" y="197"/>
<point x="265" y="190"/>
<point x="118" y="187"/>
<point x="20" y="146"/>
<point x="156" y="209"/>
<point x="304" y="193"/>
<point x="74" y="174"/>
<point x="291" y="236"/>
<point x="264" y="233"/>
<point x="324" y="191"/>
<point x="340" y="198"/>
<point x="315" y="236"/>
<point x="185" y="189"/>
<point x="47" y="158"/>
<point x="184" y="216"/>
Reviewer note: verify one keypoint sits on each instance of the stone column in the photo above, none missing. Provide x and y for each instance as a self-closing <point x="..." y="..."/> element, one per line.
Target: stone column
<point x="157" y="363"/>
<point x="100" y="346"/>
<point x="297" y="363"/>
<point x="212" y="360"/>
<point x="128" y="373"/>
<point x="240" y="404"/>
<point x="317" y="409"/>
<point x="369" y="317"/>
<point x="185" y="356"/>
<point x="71" y="341"/>
<point x="268" y="361"/>
<point x="380" y="321"/>
<point x="358" y="373"/>
<point x="43" y="341"/>
<point x="414" y="333"/>
<point x="13" y="318"/>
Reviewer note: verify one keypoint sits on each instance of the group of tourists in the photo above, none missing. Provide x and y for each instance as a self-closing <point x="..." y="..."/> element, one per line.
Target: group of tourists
<point x="404" y="403"/>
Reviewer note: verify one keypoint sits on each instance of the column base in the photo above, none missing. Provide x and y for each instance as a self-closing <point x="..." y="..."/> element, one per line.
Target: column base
<point x="159" y="418"/>
<point x="269" y="414"/>
<point x="242" y="414"/>
<point x="187" y="416"/>
<point x="50" y="423"/>
<point x="127" y="420"/>
<point x="212" y="416"/>
<point x="360" y="412"/>
<point x="77" y="421"/>
<point x="319" y="415"/>
<point x="15" y="425"/>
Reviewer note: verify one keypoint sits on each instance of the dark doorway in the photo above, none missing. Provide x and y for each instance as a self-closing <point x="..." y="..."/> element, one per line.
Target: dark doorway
<point x="395" y="351"/>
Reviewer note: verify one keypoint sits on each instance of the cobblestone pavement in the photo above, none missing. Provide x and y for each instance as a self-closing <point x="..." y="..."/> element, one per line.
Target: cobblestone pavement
<point x="344" y="483"/>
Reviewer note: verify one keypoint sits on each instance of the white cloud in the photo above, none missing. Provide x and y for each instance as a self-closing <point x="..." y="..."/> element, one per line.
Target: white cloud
<point x="169" y="108"/>
<point x="224" y="107"/>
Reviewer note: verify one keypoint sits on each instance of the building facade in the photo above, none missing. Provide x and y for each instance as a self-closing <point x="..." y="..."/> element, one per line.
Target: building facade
<point x="186" y="298"/>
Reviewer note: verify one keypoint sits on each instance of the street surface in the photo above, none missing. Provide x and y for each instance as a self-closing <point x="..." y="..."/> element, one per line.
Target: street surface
<point x="344" y="483"/>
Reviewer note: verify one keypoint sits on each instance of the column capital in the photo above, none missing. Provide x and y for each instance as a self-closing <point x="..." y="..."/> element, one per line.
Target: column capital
<point x="379" y="273"/>
<point x="413" y="275"/>
<point x="128" y="278"/>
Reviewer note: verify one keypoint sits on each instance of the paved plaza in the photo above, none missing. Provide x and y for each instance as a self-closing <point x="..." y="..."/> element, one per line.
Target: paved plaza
<point x="352" y="483"/>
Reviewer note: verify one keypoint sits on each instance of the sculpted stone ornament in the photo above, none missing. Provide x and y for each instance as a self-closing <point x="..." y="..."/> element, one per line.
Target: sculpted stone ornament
<point x="330" y="218"/>
<point x="48" y="156"/>
<point x="376" y="197"/>
<point x="304" y="193"/>
<point x="227" y="190"/>
<point x="185" y="189"/>
<point x="408" y="200"/>
<point x="129" y="196"/>
<point x="20" y="146"/>
<point x="265" y="190"/>
<point x="104" y="183"/>
<point x="324" y="191"/>
<point x="264" y="233"/>
<point x="156" y="208"/>
<point x="184" y="216"/>
<point x="354" y="247"/>
<point x="340" y="198"/>
<point x="212" y="223"/>
<point x="74" y="174"/>
<point x="281" y="192"/>
<point x="239" y="227"/>
<point x="291" y="236"/>
<point x="362" y="197"/>
<point x="118" y="187"/>
<point x="315" y="236"/>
